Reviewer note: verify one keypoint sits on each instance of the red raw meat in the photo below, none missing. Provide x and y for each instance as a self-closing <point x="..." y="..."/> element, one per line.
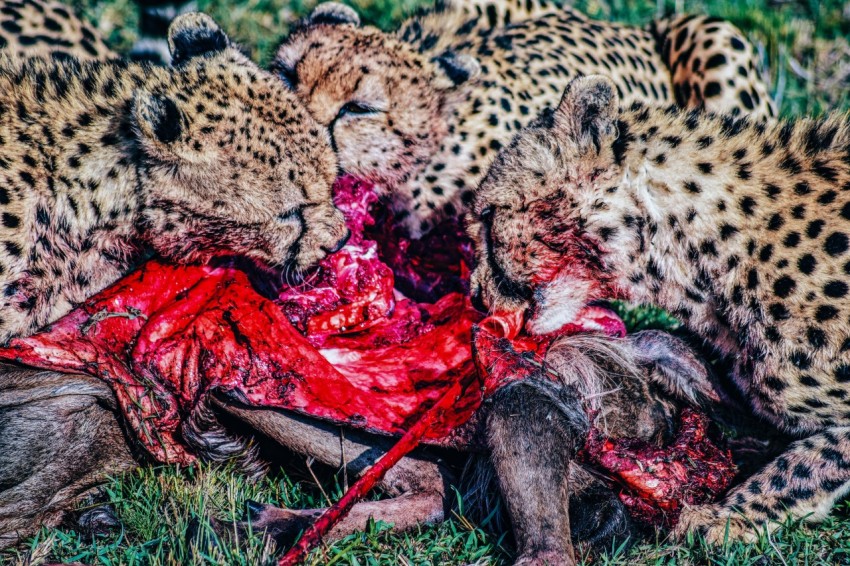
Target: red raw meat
<point x="658" y="482"/>
<point x="431" y="267"/>
<point x="165" y="335"/>
<point x="344" y="346"/>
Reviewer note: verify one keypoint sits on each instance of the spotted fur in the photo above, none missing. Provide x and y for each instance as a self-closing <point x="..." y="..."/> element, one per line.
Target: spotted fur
<point x="423" y="111"/>
<point x="45" y="27"/>
<point x="740" y="229"/>
<point x="101" y="161"/>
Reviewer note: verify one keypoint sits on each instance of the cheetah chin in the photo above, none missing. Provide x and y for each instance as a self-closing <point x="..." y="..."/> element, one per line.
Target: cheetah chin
<point x="558" y="303"/>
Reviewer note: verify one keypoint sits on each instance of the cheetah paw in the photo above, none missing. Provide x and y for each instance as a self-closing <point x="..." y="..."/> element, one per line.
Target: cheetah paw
<point x="715" y="524"/>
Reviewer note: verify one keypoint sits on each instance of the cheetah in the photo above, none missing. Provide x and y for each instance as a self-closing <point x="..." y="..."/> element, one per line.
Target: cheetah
<point x="101" y="162"/>
<point x="44" y="27"/>
<point x="741" y="229"/>
<point x="422" y="111"/>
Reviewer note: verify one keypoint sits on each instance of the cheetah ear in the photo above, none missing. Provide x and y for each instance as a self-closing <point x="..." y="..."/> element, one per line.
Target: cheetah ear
<point x="158" y="120"/>
<point x="194" y="34"/>
<point x="588" y="111"/>
<point x="455" y="69"/>
<point x="332" y="14"/>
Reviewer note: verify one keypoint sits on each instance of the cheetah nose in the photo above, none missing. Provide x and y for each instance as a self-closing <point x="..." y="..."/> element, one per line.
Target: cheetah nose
<point x="477" y="299"/>
<point x="339" y="245"/>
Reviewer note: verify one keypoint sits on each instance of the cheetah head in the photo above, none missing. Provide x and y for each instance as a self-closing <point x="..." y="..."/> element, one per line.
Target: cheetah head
<point x="383" y="102"/>
<point x="533" y="212"/>
<point x="231" y="162"/>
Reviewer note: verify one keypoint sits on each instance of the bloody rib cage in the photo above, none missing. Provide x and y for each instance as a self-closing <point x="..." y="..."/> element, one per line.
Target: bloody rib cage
<point x="345" y="346"/>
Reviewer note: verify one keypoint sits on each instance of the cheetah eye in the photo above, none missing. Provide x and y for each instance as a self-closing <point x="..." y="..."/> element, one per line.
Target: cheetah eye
<point x="487" y="215"/>
<point x="358" y="108"/>
<point x="291" y="214"/>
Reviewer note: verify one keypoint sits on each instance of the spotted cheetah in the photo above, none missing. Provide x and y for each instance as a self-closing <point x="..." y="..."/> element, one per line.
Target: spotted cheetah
<point x="101" y="161"/>
<point x="739" y="228"/>
<point x="45" y="27"/>
<point x="422" y="111"/>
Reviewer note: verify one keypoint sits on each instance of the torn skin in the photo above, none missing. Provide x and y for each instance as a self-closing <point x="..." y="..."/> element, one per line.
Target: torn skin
<point x="344" y="346"/>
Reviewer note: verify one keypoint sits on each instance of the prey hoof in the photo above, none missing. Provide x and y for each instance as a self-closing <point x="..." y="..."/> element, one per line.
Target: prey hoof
<point x="98" y="521"/>
<point x="599" y="518"/>
<point x="253" y="510"/>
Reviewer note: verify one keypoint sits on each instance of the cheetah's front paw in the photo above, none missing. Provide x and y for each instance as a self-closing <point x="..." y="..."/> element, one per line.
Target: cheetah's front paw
<point x="716" y="524"/>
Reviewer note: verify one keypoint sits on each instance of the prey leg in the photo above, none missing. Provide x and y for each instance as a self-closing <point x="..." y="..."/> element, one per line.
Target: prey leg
<point x="534" y="428"/>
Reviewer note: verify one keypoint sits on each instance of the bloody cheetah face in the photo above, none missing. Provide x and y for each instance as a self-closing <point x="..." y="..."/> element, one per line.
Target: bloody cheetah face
<point x="232" y="163"/>
<point x="382" y="102"/>
<point x="530" y="214"/>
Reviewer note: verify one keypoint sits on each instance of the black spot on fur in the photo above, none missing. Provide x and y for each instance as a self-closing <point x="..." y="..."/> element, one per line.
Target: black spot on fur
<point x="801" y="360"/>
<point x="716" y="60"/>
<point x="712" y="89"/>
<point x="842" y="373"/>
<point x="11" y="220"/>
<point x="779" y="312"/>
<point x="836" y="244"/>
<point x="792" y="240"/>
<point x="726" y="231"/>
<point x="835" y="289"/>
<point x="816" y="337"/>
<point x="776" y="221"/>
<point x="806" y="264"/>
<point x="828" y="197"/>
<point x="814" y="228"/>
<point x="802" y="188"/>
<point x="692" y="187"/>
<point x="826" y="312"/>
<point x="809" y="381"/>
<point x="747" y="205"/>
<point x="784" y="286"/>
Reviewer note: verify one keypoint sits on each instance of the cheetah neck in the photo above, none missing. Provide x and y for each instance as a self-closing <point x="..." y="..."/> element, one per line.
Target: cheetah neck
<point x="687" y="204"/>
<point x="84" y="233"/>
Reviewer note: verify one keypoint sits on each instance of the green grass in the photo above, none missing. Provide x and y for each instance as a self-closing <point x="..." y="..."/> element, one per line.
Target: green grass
<point x="157" y="505"/>
<point x="806" y="61"/>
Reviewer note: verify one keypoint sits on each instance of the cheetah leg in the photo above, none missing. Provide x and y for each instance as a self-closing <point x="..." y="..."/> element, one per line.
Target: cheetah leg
<point x="803" y="483"/>
<point x="713" y="66"/>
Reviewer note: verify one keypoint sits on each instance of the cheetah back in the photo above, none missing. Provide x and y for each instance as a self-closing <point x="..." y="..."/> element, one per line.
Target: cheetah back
<point x="48" y="28"/>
